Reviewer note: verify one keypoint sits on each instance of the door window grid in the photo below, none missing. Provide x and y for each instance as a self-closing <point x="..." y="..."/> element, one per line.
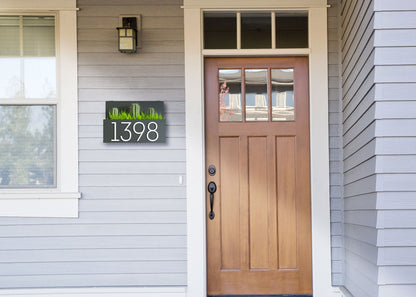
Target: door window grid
<point x="267" y="93"/>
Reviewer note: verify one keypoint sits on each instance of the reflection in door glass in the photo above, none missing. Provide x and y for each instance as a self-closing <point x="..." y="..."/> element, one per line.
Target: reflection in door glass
<point x="283" y="103"/>
<point x="256" y="95"/>
<point x="230" y="95"/>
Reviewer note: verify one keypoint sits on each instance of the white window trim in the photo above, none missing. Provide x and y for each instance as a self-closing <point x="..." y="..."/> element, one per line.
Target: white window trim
<point x="61" y="201"/>
<point x="195" y="134"/>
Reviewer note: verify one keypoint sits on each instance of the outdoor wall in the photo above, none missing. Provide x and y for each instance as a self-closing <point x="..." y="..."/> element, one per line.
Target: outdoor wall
<point x="131" y="229"/>
<point x="335" y="143"/>
<point x="395" y="131"/>
<point x="359" y="147"/>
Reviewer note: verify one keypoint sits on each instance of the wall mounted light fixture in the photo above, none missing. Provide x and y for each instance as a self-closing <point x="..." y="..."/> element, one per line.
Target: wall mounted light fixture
<point x="127" y="35"/>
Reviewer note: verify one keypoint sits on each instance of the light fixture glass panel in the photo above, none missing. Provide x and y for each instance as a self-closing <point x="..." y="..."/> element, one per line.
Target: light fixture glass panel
<point x="39" y="36"/>
<point x="283" y="101"/>
<point x="9" y="36"/>
<point x="27" y="146"/>
<point x="292" y="30"/>
<point x="256" y="95"/>
<point x="220" y="30"/>
<point x="256" y="30"/>
<point x="230" y="95"/>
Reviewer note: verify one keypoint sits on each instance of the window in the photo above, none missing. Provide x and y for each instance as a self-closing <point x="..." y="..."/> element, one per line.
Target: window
<point x="38" y="81"/>
<point x="28" y="76"/>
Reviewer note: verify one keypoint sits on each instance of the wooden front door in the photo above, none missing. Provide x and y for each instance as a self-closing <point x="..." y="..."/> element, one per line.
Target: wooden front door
<point x="257" y="138"/>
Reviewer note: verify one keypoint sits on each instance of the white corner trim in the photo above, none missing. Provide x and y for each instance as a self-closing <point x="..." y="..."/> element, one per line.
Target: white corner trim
<point x="98" y="292"/>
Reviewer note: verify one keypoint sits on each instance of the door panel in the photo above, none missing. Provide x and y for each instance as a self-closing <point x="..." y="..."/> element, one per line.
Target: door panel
<point x="259" y="241"/>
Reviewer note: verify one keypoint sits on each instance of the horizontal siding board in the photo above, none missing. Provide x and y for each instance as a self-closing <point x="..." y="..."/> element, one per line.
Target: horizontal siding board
<point x="395" y="74"/>
<point x="122" y="267"/>
<point x="93" y="242"/>
<point x="397" y="219"/>
<point x="396" y="127"/>
<point x="131" y="82"/>
<point x="396" y="110"/>
<point x="396" y="164"/>
<point x="93" y="230"/>
<point x="396" y="145"/>
<point x="144" y="10"/>
<point x="365" y="169"/>
<point x="361" y="202"/>
<point x="397" y="237"/>
<point x="96" y="255"/>
<point x="360" y="233"/>
<point x="395" y="5"/>
<point x="407" y="290"/>
<point x="92" y="280"/>
<point x="396" y="200"/>
<point x="389" y="38"/>
<point x="396" y="275"/>
<point x="395" y="56"/>
<point x="397" y="256"/>
<point x="143" y="59"/>
<point x="362" y="249"/>
<point x="108" y="217"/>
<point x="123" y="179"/>
<point x="144" y="204"/>
<point x="150" y="168"/>
<point x="132" y="156"/>
<point x="132" y="192"/>
<point x="395" y="19"/>
<point x="395" y="91"/>
<point x="111" y="46"/>
<point x="396" y="182"/>
<point x="144" y="71"/>
<point x="100" y="95"/>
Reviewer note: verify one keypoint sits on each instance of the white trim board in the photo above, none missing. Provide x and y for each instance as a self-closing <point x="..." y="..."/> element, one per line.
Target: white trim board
<point x="98" y="292"/>
<point x="195" y="141"/>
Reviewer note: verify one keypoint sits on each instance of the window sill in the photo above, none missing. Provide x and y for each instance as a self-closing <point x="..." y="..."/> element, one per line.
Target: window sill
<point x="39" y="204"/>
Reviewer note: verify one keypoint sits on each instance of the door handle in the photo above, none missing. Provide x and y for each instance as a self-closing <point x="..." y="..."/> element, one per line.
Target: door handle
<point x="212" y="188"/>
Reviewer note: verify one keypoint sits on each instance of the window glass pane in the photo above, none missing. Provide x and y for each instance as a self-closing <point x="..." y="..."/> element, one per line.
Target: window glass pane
<point x="40" y="77"/>
<point x="230" y="95"/>
<point x="27" y="146"/>
<point x="256" y="95"/>
<point x="9" y="36"/>
<point x="39" y="36"/>
<point x="220" y="30"/>
<point x="291" y="31"/>
<point x="11" y="84"/>
<point x="256" y="30"/>
<point x="283" y="103"/>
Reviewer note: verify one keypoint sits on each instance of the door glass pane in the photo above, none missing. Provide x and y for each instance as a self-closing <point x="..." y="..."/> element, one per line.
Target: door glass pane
<point x="230" y="95"/>
<point x="256" y="30"/>
<point x="256" y="95"/>
<point x="27" y="146"/>
<point x="283" y="103"/>
<point x="291" y="30"/>
<point x="220" y="30"/>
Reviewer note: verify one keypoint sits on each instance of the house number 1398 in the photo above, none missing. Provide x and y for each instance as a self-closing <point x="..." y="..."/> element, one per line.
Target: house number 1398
<point x="137" y="130"/>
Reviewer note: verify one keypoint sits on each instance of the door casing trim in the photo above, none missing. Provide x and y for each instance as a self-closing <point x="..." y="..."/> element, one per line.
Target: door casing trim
<point x="319" y="150"/>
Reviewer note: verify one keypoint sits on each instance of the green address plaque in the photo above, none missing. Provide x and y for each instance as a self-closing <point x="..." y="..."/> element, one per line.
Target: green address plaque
<point x="134" y="122"/>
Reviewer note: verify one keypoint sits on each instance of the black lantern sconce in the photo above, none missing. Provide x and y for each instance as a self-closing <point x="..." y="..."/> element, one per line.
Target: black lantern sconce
<point x="127" y="35"/>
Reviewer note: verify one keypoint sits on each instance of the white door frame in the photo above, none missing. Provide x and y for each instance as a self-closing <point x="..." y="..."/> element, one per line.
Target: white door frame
<point x="195" y="134"/>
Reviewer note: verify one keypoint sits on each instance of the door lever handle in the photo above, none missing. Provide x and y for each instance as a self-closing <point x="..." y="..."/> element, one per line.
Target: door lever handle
<point x="212" y="188"/>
